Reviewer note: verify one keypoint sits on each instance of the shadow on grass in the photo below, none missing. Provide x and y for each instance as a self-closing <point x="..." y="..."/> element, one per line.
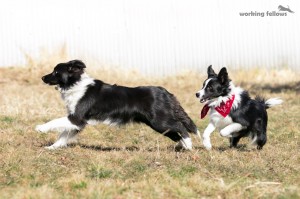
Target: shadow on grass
<point x="171" y="148"/>
<point x="102" y="148"/>
<point x="240" y="148"/>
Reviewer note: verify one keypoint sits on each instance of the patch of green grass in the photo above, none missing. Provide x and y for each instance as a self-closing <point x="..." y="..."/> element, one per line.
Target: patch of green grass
<point x="6" y="119"/>
<point x="98" y="172"/>
<point x="134" y="169"/>
<point x="138" y="167"/>
<point x="135" y="141"/>
<point x="182" y="172"/>
<point x="34" y="183"/>
<point x="80" y="185"/>
<point x="289" y="196"/>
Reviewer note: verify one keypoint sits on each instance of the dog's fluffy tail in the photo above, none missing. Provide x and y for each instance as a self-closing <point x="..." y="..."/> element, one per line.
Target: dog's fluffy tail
<point x="273" y="102"/>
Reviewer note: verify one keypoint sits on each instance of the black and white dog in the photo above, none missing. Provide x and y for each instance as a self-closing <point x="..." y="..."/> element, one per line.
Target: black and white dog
<point x="232" y="111"/>
<point x="91" y="101"/>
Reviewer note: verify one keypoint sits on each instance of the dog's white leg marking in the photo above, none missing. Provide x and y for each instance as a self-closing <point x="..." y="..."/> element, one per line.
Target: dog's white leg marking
<point x="186" y="143"/>
<point x="64" y="138"/>
<point x="206" y="136"/>
<point x="60" y="124"/>
<point x="231" y="128"/>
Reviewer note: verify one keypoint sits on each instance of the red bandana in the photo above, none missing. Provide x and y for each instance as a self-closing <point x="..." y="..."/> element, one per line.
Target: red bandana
<point x="223" y="109"/>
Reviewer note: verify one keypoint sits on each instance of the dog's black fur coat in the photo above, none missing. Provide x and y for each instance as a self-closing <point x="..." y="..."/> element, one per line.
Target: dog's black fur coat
<point x="153" y="106"/>
<point x="252" y="114"/>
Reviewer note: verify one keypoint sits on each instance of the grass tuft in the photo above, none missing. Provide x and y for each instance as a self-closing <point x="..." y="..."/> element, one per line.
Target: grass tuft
<point x="99" y="172"/>
<point x="182" y="172"/>
<point x="6" y="119"/>
<point x="80" y="185"/>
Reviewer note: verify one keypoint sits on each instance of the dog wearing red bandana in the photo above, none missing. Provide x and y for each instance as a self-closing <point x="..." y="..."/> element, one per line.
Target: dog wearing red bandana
<point x="232" y="112"/>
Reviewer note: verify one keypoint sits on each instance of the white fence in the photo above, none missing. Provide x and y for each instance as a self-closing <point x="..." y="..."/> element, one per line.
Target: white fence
<point x="154" y="36"/>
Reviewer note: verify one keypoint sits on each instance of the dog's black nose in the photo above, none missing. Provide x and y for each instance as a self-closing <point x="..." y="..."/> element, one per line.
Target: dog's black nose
<point x="197" y="95"/>
<point x="43" y="78"/>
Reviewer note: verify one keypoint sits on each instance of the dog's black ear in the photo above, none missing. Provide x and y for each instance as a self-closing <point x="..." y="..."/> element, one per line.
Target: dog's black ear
<point x="76" y="66"/>
<point x="223" y="76"/>
<point x="211" y="72"/>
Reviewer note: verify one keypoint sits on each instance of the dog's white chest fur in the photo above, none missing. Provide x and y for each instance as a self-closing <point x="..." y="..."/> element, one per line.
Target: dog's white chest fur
<point x="218" y="120"/>
<point x="72" y="95"/>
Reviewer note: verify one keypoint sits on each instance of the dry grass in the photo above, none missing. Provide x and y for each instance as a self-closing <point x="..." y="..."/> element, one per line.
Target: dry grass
<point x="134" y="161"/>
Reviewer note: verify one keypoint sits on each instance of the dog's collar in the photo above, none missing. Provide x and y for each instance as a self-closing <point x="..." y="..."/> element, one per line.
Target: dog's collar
<point x="224" y="108"/>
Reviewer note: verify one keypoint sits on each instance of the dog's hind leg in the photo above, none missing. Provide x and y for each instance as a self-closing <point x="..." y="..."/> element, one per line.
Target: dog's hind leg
<point x="234" y="140"/>
<point x="172" y="135"/>
<point x="176" y="132"/>
<point x="261" y="140"/>
<point x="185" y="142"/>
<point x="260" y="129"/>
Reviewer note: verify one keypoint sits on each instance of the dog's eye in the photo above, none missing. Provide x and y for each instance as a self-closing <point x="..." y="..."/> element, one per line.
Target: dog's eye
<point x="209" y="88"/>
<point x="55" y="72"/>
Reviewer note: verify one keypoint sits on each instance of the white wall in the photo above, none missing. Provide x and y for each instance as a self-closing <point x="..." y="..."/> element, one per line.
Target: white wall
<point x="154" y="36"/>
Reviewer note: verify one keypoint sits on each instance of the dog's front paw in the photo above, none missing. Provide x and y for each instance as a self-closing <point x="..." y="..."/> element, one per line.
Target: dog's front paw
<point x="50" y="147"/>
<point x="224" y="133"/>
<point x="207" y="144"/>
<point x="55" y="146"/>
<point x="41" y="128"/>
<point x="61" y="143"/>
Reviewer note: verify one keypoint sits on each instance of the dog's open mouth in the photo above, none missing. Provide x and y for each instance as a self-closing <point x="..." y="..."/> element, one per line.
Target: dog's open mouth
<point x="204" y="100"/>
<point x="51" y="83"/>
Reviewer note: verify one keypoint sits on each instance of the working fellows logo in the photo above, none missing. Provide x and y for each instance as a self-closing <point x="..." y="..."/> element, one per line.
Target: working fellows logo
<point x="282" y="12"/>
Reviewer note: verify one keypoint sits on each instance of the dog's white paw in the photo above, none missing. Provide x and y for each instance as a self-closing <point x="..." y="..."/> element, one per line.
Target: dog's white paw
<point x="41" y="128"/>
<point x="61" y="143"/>
<point x="186" y="143"/>
<point x="50" y="147"/>
<point x="224" y="133"/>
<point x="55" y="146"/>
<point x="207" y="144"/>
